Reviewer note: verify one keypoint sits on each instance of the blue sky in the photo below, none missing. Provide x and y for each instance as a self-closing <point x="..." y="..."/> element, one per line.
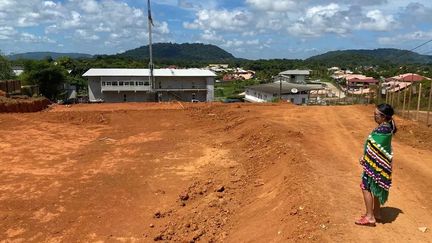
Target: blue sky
<point x="247" y="28"/>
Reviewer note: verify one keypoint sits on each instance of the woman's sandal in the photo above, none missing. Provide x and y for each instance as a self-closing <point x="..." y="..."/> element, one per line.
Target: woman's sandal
<point x="378" y="220"/>
<point x="363" y="221"/>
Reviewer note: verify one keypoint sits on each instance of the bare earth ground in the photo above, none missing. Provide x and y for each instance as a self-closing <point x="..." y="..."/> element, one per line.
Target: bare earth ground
<point x="204" y="172"/>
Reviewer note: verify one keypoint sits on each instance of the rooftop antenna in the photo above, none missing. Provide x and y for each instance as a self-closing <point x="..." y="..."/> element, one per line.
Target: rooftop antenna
<point x="151" y="65"/>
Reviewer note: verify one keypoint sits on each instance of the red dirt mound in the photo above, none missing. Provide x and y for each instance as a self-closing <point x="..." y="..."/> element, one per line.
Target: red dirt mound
<point x="23" y="105"/>
<point x="203" y="173"/>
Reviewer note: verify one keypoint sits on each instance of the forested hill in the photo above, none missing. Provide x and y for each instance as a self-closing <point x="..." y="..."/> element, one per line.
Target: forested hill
<point x="44" y="55"/>
<point x="184" y="52"/>
<point x="371" y="57"/>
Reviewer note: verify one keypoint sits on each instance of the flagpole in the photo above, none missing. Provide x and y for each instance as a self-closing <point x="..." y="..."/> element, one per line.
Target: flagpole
<point x="151" y="66"/>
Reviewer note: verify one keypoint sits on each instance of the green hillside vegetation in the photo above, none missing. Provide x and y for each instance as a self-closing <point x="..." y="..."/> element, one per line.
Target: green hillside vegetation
<point x="5" y="69"/>
<point x="172" y="51"/>
<point x="45" y="55"/>
<point x="370" y="57"/>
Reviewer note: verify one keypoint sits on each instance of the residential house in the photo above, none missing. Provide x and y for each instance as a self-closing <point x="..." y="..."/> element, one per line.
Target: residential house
<point x="356" y="83"/>
<point x="17" y="70"/>
<point x="239" y="74"/>
<point x="294" y="76"/>
<point x="295" y="93"/>
<point x="400" y="82"/>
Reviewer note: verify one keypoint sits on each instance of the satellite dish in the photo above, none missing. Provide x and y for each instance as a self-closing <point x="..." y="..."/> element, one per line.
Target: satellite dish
<point x="294" y="90"/>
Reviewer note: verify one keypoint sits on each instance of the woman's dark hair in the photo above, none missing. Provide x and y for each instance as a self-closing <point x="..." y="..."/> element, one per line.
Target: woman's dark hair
<point x="388" y="111"/>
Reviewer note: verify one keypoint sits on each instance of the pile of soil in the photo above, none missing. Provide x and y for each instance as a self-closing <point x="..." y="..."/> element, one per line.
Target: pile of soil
<point x="21" y="105"/>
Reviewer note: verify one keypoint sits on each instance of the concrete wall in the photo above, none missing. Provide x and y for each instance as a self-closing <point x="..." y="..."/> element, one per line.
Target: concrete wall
<point x="300" y="79"/>
<point x="128" y="96"/>
<point x="297" y="99"/>
<point x="181" y="82"/>
<point x="210" y="89"/>
<point x="94" y="89"/>
<point x="257" y="96"/>
<point x="186" y="96"/>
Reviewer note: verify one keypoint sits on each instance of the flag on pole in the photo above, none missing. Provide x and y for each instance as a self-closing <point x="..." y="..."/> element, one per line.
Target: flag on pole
<point x="149" y="14"/>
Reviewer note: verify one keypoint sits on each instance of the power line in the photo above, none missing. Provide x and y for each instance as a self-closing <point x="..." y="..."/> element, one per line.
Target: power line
<point x="408" y="51"/>
<point x="421" y="45"/>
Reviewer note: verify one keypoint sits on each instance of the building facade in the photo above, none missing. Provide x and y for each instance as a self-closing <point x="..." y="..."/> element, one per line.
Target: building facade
<point x="134" y="85"/>
<point x="294" y="76"/>
<point x="295" y="93"/>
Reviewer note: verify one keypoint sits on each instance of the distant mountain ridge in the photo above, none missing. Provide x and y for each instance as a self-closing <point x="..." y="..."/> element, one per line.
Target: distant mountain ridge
<point x="186" y="51"/>
<point x="190" y="52"/>
<point x="371" y="57"/>
<point x="43" y="55"/>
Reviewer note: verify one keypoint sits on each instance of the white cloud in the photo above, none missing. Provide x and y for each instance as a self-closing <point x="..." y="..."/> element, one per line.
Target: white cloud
<point x="30" y="38"/>
<point x="234" y="20"/>
<point x="162" y="28"/>
<point x="90" y="20"/>
<point x="320" y="20"/>
<point x="49" y="4"/>
<point x="211" y="36"/>
<point x="272" y="5"/>
<point x="73" y="22"/>
<point x="89" y="6"/>
<point x="401" y="38"/>
<point x="7" y="32"/>
<point x="233" y="43"/>
<point x="375" y="20"/>
<point x="85" y="35"/>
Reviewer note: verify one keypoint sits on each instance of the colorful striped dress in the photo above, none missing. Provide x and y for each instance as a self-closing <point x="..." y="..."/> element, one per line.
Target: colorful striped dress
<point x="377" y="166"/>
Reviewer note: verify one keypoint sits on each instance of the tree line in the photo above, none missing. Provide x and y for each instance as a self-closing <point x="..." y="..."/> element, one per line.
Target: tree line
<point x="51" y="74"/>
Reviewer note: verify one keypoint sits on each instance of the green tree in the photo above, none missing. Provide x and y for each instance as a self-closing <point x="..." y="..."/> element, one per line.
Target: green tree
<point x="5" y="69"/>
<point x="48" y="76"/>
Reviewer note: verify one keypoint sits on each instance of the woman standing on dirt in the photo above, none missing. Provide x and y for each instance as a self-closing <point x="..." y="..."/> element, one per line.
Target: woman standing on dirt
<point x="377" y="165"/>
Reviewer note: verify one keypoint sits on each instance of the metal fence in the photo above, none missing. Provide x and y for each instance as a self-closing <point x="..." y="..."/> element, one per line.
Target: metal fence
<point x="413" y="102"/>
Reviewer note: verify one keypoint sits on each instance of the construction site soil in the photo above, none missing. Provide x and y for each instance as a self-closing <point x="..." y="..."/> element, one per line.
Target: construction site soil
<point x="204" y="172"/>
<point x="8" y="105"/>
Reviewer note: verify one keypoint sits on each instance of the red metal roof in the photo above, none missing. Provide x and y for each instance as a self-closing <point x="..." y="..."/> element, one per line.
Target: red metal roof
<point x="409" y="77"/>
<point x="366" y="80"/>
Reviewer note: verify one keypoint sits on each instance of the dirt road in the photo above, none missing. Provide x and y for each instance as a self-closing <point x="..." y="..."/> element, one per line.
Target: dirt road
<point x="203" y="172"/>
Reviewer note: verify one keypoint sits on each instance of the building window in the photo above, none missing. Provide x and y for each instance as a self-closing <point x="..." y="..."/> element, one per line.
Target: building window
<point x="146" y="83"/>
<point x="121" y="83"/>
<point x="132" y="83"/>
<point x="140" y="83"/>
<point x="103" y="83"/>
<point x="126" y="83"/>
<point x="108" y="83"/>
<point x="193" y="85"/>
<point x="114" y="84"/>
